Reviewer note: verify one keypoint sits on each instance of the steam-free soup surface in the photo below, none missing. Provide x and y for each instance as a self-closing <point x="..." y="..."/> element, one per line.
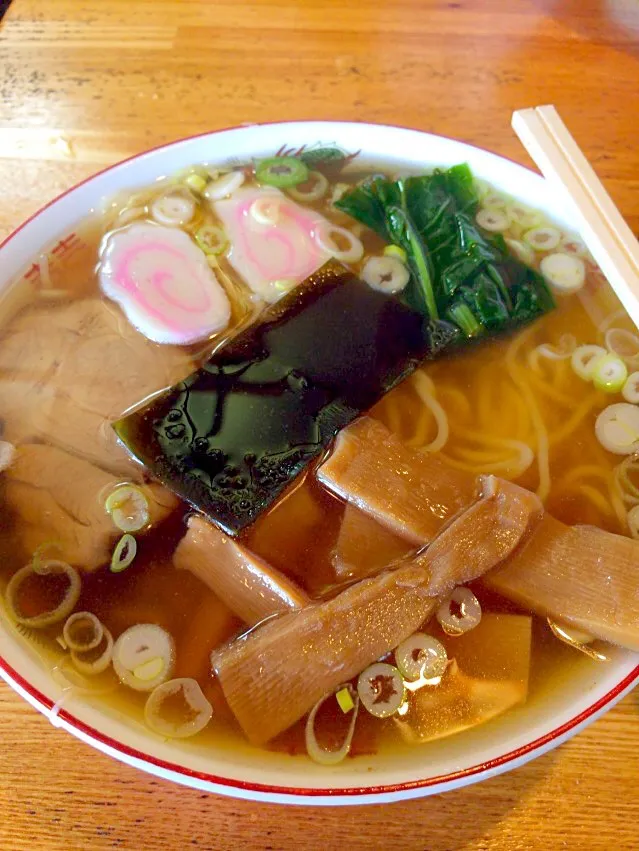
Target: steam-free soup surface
<point x="71" y="362"/>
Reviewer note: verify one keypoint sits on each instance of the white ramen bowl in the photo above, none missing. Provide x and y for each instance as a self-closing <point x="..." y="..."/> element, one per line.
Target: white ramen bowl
<point x="564" y="708"/>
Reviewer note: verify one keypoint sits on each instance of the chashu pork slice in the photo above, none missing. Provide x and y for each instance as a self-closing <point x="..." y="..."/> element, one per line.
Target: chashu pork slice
<point x="54" y="497"/>
<point x="68" y="372"/>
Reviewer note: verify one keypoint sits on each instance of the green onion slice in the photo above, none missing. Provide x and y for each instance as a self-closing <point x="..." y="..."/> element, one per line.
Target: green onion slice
<point x="543" y="239"/>
<point x="345" y="699"/>
<point x="564" y="272"/>
<point x="312" y="189"/>
<point x="61" y="611"/>
<point x="465" y="616"/>
<point x="318" y="753"/>
<point x="617" y="428"/>
<point x="160" y="714"/>
<point x="124" y="553"/>
<point x="381" y="689"/>
<point x="82" y="631"/>
<point x="211" y="239"/>
<point x="584" y="359"/>
<point x="282" y="172"/>
<point x="128" y="507"/>
<point x="630" y="390"/>
<point x="609" y="373"/>
<point x="421" y="656"/>
<point x="96" y="660"/>
<point x="144" y="656"/>
<point x="195" y="182"/>
<point x="395" y="251"/>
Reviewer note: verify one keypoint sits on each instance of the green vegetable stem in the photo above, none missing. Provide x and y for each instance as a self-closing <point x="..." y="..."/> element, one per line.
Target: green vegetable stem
<point x="459" y="272"/>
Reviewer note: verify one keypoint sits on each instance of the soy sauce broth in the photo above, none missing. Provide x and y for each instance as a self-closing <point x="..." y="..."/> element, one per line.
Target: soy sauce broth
<point x="297" y="536"/>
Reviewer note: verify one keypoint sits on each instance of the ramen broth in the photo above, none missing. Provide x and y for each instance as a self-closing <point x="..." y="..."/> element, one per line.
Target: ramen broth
<point x="487" y="409"/>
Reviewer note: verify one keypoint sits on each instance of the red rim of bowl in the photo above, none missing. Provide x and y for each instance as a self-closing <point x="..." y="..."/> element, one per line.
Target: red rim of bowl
<point x="318" y="792"/>
<point x="300" y="792"/>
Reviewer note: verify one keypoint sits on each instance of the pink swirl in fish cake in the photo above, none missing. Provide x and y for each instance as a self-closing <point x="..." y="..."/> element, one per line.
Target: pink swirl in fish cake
<point x="163" y="283"/>
<point x="273" y="245"/>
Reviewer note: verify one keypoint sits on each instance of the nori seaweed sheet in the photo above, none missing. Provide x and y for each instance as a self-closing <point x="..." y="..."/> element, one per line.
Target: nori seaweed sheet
<point x="236" y="432"/>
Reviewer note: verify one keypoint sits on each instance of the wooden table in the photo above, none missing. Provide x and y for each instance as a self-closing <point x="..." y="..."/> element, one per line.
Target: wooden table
<point x="84" y="83"/>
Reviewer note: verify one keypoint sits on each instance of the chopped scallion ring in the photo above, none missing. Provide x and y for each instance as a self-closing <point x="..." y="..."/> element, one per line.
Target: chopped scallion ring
<point x="64" y="608"/>
<point x="482" y="188"/>
<point x="624" y="344"/>
<point x="494" y="201"/>
<point x="43" y="554"/>
<point x="124" y="553"/>
<point x="493" y="220"/>
<point x="584" y="359"/>
<point x="173" y="209"/>
<point x="543" y="239"/>
<point x="630" y="390"/>
<point x="82" y="631"/>
<point x="266" y="209"/>
<point x="282" y="172"/>
<point x="136" y="652"/>
<point x="565" y="349"/>
<point x="195" y="182"/>
<point x="96" y="660"/>
<point x="222" y="187"/>
<point x="326" y="235"/>
<point x="617" y="428"/>
<point x="386" y="274"/>
<point x="128" y="507"/>
<point x="421" y="656"/>
<point x="316" y="190"/>
<point x="523" y="216"/>
<point x="197" y="711"/>
<point x="609" y="373"/>
<point x="565" y="272"/>
<point x="381" y="689"/>
<point x="571" y="245"/>
<point x="150" y="670"/>
<point x="211" y="239"/>
<point x="316" y="752"/>
<point x="460" y="613"/>
<point x="522" y="251"/>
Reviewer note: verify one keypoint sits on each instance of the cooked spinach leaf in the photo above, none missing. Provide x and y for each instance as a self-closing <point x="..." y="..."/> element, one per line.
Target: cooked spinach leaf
<point x="459" y="272"/>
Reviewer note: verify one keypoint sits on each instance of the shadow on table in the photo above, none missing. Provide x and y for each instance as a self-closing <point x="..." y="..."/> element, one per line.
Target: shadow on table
<point x="608" y="22"/>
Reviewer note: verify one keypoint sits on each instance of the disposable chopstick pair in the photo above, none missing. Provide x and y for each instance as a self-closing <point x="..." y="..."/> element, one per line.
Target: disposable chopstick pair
<point x="596" y="218"/>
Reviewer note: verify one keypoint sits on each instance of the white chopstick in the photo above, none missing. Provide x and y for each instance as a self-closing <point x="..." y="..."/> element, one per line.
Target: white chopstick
<point x="599" y="222"/>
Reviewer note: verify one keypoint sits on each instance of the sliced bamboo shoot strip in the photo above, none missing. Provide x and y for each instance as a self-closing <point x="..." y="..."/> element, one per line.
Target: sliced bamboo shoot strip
<point x="579" y="575"/>
<point x="250" y="587"/>
<point x="277" y="673"/>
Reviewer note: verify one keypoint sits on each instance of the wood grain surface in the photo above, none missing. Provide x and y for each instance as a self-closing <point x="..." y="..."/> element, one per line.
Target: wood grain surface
<point x="84" y="83"/>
